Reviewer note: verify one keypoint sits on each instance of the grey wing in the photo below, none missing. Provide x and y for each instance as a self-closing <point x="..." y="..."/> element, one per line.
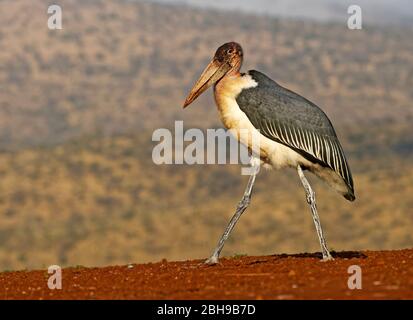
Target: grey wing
<point x="290" y="119"/>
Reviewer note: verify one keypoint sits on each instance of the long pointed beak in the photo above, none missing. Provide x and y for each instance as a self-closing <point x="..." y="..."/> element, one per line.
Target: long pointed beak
<point x="212" y="74"/>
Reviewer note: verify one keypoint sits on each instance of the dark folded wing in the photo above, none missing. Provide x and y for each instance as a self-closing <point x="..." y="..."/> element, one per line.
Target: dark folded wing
<point x="290" y="119"/>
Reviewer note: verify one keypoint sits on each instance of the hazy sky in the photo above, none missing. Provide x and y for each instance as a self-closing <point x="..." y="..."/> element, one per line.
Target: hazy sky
<point x="380" y="12"/>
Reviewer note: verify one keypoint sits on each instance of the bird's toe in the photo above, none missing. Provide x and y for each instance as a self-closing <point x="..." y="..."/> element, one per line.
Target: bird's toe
<point x="211" y="261"/>
<point x="327" y="258"/>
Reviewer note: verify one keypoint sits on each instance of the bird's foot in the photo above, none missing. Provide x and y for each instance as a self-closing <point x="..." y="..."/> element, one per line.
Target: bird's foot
<point x="327" y="257"/>
<point x="211" y="260"/>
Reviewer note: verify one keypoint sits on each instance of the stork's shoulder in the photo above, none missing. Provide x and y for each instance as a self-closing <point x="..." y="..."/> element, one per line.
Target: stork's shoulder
<point x="274" y="100"/>
<point x="261" y="79"/>
<point x="270" y="89"/>
<point x="264" y="88"/>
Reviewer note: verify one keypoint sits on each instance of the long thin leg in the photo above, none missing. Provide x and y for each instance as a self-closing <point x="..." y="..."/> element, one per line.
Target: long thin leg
<point x="242" y="206"/>
<point x="311" y="201"/>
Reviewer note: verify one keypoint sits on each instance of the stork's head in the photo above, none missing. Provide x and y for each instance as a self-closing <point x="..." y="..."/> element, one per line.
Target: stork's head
<point x="227" y="60"/>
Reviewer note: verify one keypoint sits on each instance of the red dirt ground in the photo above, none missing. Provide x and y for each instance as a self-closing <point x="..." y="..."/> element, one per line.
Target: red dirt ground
<point x="385" y="275"/>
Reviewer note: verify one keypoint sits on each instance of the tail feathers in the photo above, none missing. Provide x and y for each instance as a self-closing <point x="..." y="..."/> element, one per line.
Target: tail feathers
<point x="335" y="180"/>
<point x="350" y="196"/>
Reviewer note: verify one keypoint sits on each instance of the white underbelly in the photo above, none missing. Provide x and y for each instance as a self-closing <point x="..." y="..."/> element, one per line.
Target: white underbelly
<point x="272" y="153"/>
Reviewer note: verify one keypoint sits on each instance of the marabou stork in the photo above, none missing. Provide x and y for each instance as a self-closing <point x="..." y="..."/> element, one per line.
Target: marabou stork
<point x="293" y="131"/>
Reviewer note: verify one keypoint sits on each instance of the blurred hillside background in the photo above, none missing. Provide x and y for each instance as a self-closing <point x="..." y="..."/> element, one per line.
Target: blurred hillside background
<point x="78" y="107"/>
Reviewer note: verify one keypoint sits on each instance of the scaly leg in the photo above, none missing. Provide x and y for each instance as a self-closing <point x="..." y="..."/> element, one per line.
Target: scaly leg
<point x="242" y="206"/>
<point x="311" y="201"/>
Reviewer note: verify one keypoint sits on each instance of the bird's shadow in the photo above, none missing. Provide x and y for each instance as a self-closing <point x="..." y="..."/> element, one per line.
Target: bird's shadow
<point x="318" y="255"/>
